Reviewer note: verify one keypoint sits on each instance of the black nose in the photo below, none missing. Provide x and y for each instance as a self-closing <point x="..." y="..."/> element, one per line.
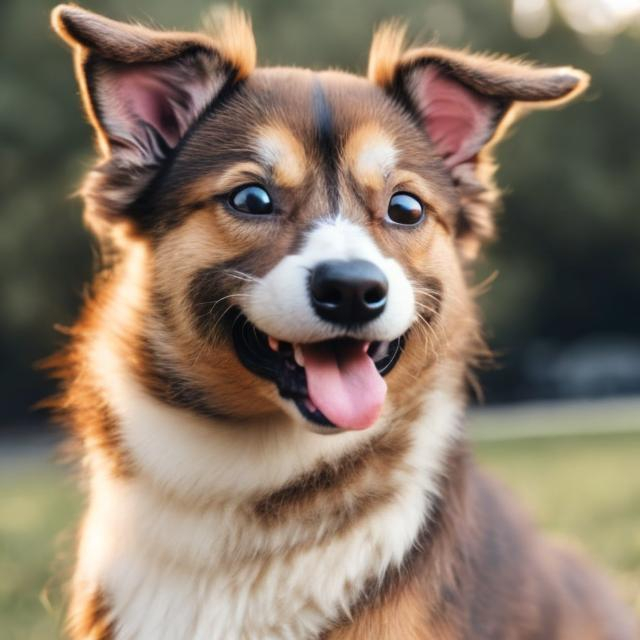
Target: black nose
<point x="348" y="291"/>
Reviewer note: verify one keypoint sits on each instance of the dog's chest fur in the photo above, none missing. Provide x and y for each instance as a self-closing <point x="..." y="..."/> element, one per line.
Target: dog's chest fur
<point x="218" y="566"/>
<point x="292" y="595"/>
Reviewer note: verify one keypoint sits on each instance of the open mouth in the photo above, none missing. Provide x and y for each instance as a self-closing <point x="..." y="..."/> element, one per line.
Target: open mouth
<point x="334" y="383"/>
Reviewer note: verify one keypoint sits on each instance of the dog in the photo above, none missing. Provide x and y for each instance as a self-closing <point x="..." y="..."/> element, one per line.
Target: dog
<point x="269" y="377"/>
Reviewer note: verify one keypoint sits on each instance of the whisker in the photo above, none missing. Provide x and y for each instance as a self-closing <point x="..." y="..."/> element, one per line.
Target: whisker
<point x="426" y="307"/>
<point x="429" y="294"/>
<point x="210" y="311"/>
<point x="215" y="302"/>
<point x="214" y="327"/>
<point x="427" y="331"/>
<point x="241" y="275"/>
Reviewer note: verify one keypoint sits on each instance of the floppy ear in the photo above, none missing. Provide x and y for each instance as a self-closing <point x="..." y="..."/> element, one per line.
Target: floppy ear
<point x="142" y="90"/>
<point x="465" y="102"/>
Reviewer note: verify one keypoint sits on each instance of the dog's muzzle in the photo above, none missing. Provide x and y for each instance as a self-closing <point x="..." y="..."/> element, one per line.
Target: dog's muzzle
<point x="288" y="366"/>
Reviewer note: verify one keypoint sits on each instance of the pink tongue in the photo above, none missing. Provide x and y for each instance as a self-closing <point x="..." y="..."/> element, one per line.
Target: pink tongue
<point x="345" y="386"/>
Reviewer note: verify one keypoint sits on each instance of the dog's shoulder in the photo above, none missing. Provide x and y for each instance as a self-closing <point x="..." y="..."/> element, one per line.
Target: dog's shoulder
<point x="480" y="570"/>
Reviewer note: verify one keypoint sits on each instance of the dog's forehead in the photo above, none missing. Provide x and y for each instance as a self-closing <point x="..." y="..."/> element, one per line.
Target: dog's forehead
<point x="287" y="107"/>
<point x="315" y="100"/>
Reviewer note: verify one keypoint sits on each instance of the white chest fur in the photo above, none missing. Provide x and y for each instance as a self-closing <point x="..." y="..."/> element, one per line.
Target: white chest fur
<point x="208" y="570"/>
<point x="154" y="593"/>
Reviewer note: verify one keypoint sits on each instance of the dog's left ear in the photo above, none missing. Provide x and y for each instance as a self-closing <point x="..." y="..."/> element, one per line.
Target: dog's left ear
<point x="465" y="103"/>
<point x="142" y="90"/>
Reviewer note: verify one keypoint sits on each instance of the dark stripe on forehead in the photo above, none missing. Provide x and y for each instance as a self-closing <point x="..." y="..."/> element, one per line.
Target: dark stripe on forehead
<point x="326" y="140"/>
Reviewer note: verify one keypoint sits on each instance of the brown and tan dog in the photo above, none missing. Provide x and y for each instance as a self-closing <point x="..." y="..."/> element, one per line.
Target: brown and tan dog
<point x="269" y="378"/>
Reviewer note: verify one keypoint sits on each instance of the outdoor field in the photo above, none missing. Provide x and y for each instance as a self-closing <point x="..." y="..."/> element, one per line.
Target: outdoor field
<point x="581" y="487"/>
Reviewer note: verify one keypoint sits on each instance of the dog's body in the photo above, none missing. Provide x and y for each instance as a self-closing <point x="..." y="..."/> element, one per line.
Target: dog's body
<point x="269" y="381"/>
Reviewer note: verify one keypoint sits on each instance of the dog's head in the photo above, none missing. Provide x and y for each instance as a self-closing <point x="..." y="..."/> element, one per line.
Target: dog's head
<point x="303" y="234"/>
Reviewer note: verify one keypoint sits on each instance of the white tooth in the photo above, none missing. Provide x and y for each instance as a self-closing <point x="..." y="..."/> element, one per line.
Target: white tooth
<point x="273" y="343"/>
<point x="381" y="351"/>
<point x="297" y="354"/>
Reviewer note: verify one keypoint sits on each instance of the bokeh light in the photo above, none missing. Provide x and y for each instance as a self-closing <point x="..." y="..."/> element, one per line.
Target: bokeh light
<point x="591" y="18"/>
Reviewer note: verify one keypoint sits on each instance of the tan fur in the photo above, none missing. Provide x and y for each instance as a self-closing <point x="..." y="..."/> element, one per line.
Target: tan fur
<point x="283" y="154"/>
<point x="370" y="155"/>
<point x="81" y="403"/>
<point x="89" y="617"/>
<point x="385" y="53"/>
<point x="230" y="29"/>
<point x="401" y="616"/>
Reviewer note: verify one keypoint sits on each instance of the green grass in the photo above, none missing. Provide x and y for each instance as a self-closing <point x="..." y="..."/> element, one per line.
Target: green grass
<point x="38" y="510"/>
<point x="585" y="489"/>
<point x="581" y="489"/>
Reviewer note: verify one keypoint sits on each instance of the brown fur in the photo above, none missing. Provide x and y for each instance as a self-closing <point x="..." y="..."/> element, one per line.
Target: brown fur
<point x="89" y="616"/>
<point x="81" y="405"/>
<point x="178" y="263"/>
<point x="483" y="575"/>
<point x="315" y="497"/>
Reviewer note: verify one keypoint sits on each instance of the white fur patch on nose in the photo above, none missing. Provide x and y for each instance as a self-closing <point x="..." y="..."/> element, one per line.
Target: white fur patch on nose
<point x="280" y="303"/>
<point x="340" y="239"/>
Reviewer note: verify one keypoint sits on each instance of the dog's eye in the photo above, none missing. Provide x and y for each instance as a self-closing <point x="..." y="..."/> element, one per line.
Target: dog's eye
<point x="252" y="199"/>
<point x="405" y="209"/>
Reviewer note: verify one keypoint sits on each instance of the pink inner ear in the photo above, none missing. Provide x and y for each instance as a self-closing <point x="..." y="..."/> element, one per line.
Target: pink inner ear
<point x="146" y="108"/>
<point x="458" y="120"/>
<point x="146" y="96"/>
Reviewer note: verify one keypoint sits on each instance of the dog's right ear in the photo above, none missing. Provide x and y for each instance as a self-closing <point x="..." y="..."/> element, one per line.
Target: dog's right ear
<point x="142" y="89"/>
<point x="464" y="103"/>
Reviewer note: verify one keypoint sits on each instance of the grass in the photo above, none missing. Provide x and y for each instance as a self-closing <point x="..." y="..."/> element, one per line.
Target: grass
<point x="581" y="488"/>
<point x="38" y="509"/>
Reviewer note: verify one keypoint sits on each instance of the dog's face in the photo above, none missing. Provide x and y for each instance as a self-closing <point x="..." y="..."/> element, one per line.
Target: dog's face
<point x="304" y="233"/>
<point x="310" y="243"/>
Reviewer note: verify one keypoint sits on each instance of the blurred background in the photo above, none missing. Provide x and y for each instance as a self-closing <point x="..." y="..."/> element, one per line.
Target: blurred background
<point x="561" y="422"/>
